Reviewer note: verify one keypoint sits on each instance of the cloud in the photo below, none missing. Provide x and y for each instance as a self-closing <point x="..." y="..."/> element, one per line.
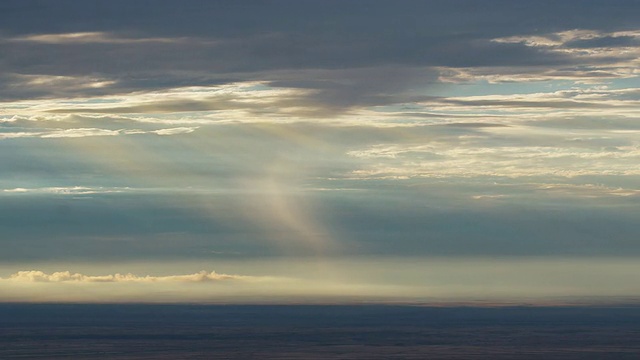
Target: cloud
<point x="589" y="55"/>
<point x="578" y="38"/>
<point x="307" y="66"/>
<point x="511" y="152"/>
<point x="577" y="101"/>
<point x="95" y="37"/>
<point x="345" y="55"/>
<point x="90" y="132"/>
<point x="269" y="108"/>
<point x="242" y="98"/>
<point x="587" y="190"/>
<point x="67" y="276"/>
<point x="310" y="93"/>
<point x="72" y="133"/>
<point x="20" y="86"/>
<point x="175" y="131"/>
<point x="67" y="190"/>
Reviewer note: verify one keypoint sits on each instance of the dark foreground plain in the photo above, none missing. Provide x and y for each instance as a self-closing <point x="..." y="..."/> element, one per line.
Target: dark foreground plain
<point x="56" y="331"/>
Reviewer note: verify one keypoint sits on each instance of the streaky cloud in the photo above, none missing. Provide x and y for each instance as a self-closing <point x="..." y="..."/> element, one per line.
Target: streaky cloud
<point x="95" y="37"/>
<point x="67" y="276"/>
<point x="92" y="132"/>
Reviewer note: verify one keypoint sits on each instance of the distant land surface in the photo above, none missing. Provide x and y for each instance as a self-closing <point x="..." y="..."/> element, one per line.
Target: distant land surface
<point x="64" y="331"/>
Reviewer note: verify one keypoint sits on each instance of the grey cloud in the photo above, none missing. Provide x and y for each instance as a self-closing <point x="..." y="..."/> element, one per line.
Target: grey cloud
<point x="214" y="42"/>
<point x="323" y="93"/>
<point x="337" y="90"/>
<point x="334" y="17"/>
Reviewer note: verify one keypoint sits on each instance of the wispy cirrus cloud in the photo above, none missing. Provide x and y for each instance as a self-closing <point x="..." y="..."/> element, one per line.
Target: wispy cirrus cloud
<point x="93" y="37"/>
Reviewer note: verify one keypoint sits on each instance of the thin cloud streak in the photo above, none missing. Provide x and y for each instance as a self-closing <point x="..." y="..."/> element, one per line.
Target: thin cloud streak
<point x="89" y="38"/>
<point x="67" y="276"/>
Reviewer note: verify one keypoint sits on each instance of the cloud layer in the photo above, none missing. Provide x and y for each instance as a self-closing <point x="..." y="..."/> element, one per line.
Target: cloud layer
<point x="248" y="131"/>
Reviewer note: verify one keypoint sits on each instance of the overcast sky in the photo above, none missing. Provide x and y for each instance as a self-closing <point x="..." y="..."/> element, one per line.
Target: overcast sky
<point x="319" y="150"/>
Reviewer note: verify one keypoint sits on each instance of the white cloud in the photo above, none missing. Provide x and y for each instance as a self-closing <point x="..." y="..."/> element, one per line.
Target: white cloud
<point x="489" y="197"/>
<point x="564" y="37"/>
<point x="603" y="56"/>
<point x="96" y="37"/>
<point x="593" y="101"/>
<point x="250" y="101"/>
<point x="81" y="132"/>
<point x="67" y="276"/>
<point x="587" y="190"/>
<point x="488" y="156"/>
<point x="68" y="190"/>
<point x="88" y="132"/>
<point x="19" y="134"/>
<point x="175" y="131"/>
<point x="59" y="82"/>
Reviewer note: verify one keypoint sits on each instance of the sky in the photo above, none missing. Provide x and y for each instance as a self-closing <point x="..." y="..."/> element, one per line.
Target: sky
<point x="319" y="151"/>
